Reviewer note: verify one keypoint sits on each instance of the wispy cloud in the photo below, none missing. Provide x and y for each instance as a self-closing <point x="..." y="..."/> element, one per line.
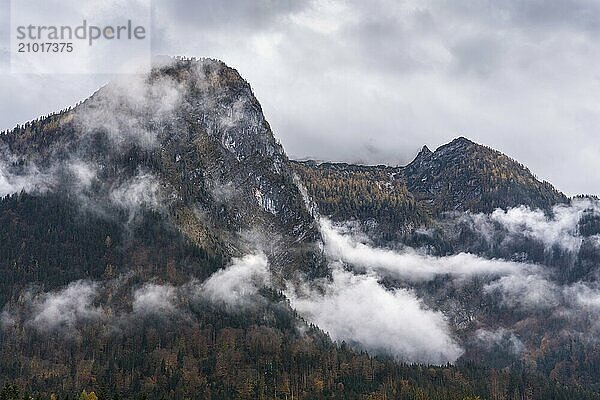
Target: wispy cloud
<point x="16" y="176"/>
<point x="238" y="283"/>
<point x="408" y="264"/>
<point x="63" y="309"/>
<point x="529" y="292"/>
<point x="502" y="338"/>
<point x="154" y="299"/>
<point x="141" y="191"/>
<point x="559" y="229"/>
<point x="131" y="111"/>
<point x="358" y="309"/>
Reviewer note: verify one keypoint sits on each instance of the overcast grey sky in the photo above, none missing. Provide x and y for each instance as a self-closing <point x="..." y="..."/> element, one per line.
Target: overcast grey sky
<point x="373" y="81"/>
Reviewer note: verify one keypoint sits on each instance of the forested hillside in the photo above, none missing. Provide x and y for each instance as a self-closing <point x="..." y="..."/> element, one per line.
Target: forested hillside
<point x="157" y="243"/>
<point x="344" y="192"/>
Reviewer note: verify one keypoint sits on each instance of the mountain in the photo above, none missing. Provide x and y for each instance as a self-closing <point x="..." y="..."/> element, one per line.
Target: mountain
<point x="192" y="141"/>
<point x="157" y="242"/>
<point x="466" y="200"/>
<point x="463" y="175"/>
<point x="459" y="176"/>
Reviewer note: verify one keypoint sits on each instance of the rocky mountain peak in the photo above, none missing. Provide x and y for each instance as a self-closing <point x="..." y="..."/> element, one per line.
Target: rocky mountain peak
<point x="195" y="129"/>
<point x="425" y="150"/>
<point x="458" y="147"/>
<point x="206" y="93"/>
<point x="463" y="175"/>
<point x="461" y="140"/>
<point x="423" y="155"/>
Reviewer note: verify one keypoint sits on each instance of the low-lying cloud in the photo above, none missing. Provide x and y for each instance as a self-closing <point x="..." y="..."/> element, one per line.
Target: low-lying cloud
<point x="63" y="309"/>
<point x="131" y="110"/>
<point x="358" y="309"/>
<point x="526" y="292"/>
<point x="359" y="303"/>
<point x="154" y="299"/>
<point x="142" y="191"/>
<point x="79" y="302"/>
<point x="501" y="337"/>
<point x="15" y="178"/>
<point x="585" y="295"/>
<point x="237" y="283"/>
<point x="408" y="264"/>
<point x="20" y="175"/>
<point x="561" y="228"/>
<point x="522" y="289"/>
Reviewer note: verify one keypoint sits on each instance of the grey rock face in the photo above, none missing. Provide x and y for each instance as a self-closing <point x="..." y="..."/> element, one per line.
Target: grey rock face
<point x="193" y="138"/>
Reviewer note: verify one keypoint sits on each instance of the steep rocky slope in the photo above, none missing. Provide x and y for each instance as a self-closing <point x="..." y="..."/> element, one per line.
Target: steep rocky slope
<point x="190" y="142"/>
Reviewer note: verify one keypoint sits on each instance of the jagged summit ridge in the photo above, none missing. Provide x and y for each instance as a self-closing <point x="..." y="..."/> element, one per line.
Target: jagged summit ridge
<point x="422" y="156"/>
<point x="459" y="176"/>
